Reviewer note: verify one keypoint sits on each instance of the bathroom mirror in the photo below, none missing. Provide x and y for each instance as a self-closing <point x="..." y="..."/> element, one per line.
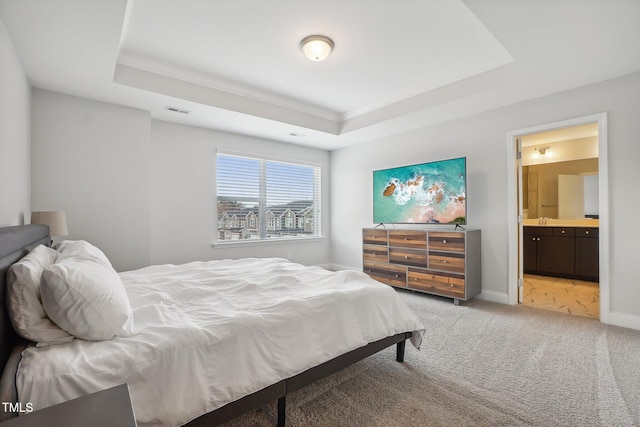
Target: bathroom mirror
<point x="540" y="186"/>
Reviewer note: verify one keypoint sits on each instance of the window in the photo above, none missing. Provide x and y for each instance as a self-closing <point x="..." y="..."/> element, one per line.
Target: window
<point x="265" y="199"/>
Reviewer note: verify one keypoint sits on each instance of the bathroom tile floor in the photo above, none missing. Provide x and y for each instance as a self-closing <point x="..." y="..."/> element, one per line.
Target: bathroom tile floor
<point x="566" y="295"/>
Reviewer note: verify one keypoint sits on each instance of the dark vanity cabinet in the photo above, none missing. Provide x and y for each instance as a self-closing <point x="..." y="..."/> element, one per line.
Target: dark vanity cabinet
<point x="549" y="251"/>
<point x="587" y="250"/>
<point x="570" y="252"/>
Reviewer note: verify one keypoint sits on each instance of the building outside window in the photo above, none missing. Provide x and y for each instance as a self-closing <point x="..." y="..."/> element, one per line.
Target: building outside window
<point x="263" y="198"/>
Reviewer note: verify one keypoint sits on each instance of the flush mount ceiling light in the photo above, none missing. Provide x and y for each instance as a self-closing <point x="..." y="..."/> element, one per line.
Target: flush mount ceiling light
<point x="316" y="48"/>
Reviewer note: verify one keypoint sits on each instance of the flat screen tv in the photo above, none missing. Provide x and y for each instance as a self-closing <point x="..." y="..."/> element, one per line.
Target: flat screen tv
<point x="425" y="193"/>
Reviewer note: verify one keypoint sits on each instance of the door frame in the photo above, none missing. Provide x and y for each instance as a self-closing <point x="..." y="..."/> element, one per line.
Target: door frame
<point x="514" y="225"/>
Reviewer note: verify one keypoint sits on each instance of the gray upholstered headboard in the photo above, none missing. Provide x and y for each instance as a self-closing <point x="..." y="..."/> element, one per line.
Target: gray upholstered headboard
<point x="15" y="242"/>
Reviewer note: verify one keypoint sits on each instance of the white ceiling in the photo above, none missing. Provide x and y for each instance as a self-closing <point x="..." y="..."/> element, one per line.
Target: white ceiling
<point x="235" y="65"/>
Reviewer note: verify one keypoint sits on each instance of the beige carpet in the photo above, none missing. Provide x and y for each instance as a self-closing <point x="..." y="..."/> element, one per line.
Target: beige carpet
<point x="482" y="364"/>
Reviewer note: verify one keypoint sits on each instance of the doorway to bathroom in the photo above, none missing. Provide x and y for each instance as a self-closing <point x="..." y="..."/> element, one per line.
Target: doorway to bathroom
<point x="559" y="178"/>
<point x="558" y="219"/>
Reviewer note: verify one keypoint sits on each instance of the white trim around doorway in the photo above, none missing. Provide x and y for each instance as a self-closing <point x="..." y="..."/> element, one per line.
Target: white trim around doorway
<point x="603" y="183"/>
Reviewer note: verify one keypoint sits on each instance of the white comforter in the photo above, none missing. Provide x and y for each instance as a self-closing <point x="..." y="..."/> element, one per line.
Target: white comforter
<point x="209" y="333"/>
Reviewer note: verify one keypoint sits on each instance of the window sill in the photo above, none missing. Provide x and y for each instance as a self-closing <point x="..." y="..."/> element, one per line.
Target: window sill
<point x="259" y="242"/>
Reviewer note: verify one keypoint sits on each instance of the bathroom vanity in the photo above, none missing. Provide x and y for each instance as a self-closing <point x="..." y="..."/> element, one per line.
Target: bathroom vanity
<point x="561" y="251"/>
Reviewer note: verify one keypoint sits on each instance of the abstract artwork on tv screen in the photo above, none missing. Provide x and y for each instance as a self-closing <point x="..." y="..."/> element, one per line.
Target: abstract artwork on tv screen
<point x="427" y="193"/>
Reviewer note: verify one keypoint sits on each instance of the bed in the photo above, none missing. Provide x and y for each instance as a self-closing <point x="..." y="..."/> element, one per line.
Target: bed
<point x="206" y="341"/>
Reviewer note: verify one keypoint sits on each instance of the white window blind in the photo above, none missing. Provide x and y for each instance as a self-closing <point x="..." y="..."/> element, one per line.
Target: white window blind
<point x="261" y="198"/>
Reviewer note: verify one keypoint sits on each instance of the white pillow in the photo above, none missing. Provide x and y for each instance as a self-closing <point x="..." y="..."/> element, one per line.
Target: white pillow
<point x="84" y="295"/>
<point x="80" y="249"/>
<point x="23" y="298"/>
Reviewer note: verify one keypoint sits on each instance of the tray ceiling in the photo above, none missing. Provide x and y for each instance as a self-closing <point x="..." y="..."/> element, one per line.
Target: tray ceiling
<point x="236" y="65"/>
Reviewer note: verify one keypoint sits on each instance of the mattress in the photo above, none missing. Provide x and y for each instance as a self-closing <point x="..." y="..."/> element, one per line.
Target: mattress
<point x="209" y="333"/>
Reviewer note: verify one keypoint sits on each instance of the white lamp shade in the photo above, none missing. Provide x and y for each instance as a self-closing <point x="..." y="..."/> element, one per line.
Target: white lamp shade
<point x="316" y="48"/>
<point x="56" y="220"/>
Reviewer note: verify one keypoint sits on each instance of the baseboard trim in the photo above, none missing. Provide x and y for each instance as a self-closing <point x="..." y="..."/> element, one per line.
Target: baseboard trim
<point x="493" y="296"/>
<point x="615" y="318"/>
<point x="625" y="320"/>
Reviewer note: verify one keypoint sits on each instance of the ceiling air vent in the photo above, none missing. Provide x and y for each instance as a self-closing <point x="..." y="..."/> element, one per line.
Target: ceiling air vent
<point x="177" y="110"/>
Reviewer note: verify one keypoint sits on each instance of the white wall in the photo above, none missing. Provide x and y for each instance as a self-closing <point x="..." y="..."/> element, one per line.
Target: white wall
<point x="482" y="139"/>
<point x="143" y="190"/>
<point x="15" y="149"/>
<point x="562" y="151"/>
<point x="91" y="160"/>
<point x="183" y="205"/>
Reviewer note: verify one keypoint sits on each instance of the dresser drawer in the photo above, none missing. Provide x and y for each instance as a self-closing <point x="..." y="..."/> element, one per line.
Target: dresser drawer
<point x="373" y="236"/>
<point x="408" y="256"/>
<point x="408" y="239"/>
<point x="441" y="262"/>
<point x="434" y="283"/>
<point x="446" y="262"/>
<point x="375" y="253"/>
<point x="441" y="241"/>
<point x="390" y="274"/>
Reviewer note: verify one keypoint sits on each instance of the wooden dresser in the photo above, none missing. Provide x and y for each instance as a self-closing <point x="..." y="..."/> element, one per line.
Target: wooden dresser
<point x="445" y="263"/>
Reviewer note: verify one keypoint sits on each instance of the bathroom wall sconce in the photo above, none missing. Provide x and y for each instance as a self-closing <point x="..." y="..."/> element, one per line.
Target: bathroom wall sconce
<point x="541" y="151"/>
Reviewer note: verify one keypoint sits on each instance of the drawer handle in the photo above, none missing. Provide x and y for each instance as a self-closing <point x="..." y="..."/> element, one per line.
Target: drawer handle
<point x="444" y="261"/>
<point x="562" y="231"/>
<point x="444" y="241"/>
<point x="397" y="275"/>
<point x="451" y="285"/>
<point x="586" y="232"/>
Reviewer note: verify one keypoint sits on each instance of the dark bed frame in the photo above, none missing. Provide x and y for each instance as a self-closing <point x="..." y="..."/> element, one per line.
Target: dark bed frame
<point x="17" y="241"/>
